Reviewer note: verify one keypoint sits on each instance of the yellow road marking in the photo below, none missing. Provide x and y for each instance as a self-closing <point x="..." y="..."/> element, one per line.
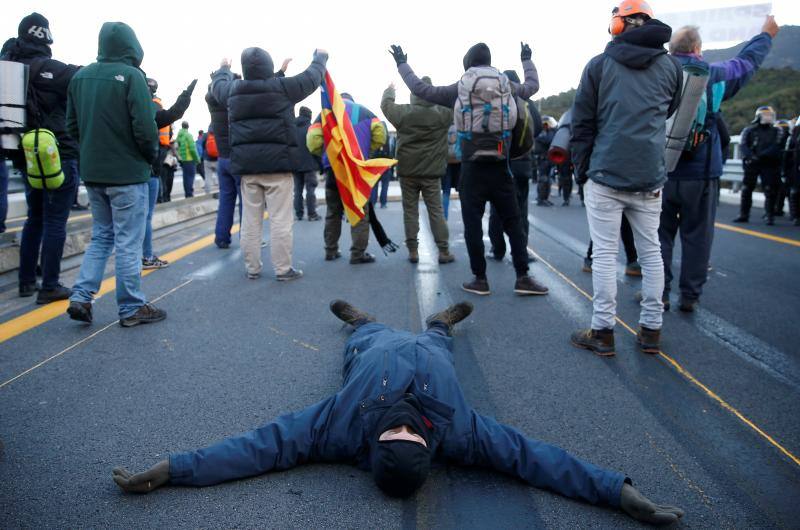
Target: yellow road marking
<point x="762" y="235"/>
<point x="686" y="374"/>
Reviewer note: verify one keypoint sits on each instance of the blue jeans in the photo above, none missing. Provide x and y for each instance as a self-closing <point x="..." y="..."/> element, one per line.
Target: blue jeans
<point x="46" y="228"/>
<point x="229" y="188"/>
<point x="152" y="189"/>
<point x="189" y="172"/>
<point x="3" y="194"/>
<point x="118" y="219"/>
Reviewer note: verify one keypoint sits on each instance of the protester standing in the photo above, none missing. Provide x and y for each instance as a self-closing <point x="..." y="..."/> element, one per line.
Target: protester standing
<point x="451" y="176"/>
<point x="210" y="156"/>
<point x="229" y="184"/>
<point x="188" y="158"/>
<point x="305" y="171"/>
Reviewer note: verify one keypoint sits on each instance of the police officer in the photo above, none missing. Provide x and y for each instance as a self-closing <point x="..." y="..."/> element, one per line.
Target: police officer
<point x="762" y="149"/>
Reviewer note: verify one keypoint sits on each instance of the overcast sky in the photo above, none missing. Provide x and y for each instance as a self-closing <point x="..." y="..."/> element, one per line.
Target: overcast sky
<point x="185" y="40"/>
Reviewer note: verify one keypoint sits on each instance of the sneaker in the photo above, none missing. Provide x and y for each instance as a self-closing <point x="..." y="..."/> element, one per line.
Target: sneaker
<point x="291" y="274"/>
<point x="223" y="245"/>
<point x="565" y="203"/>
<point x="154" y="262"/>
<point x="742" y="219"/>
<point x="649" y="340"/>
<point x="446" y="257"/>
<point x="147" y="314"/>
<point x="600" y="341"/>
<point x="493" y="255"/>
<point x="46" y="296"/>
<point x="80" y="311"/>
<point x="330" y="256"/>
<point x="314" y="217"/>
<point x="587" y="265"/>
<point x="633" y="269"/>
<point x="298" y="217"/>
<point x="477" y="286"/>
<point x="349" y="314"/>
<point x="451" y="316"/>
<point x="366" y="257"/>
<point x="253" y="275"/>
<point x="687" y="305"/>
<point x="526" y="285"/>
<point x="28" y="289"/>
<point x="413" y="255"/>
<point x="264" y="243"/>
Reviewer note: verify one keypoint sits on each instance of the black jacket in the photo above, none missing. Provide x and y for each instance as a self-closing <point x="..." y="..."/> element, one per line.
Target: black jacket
<point x="762" y="144"/>
<point x="261" y="111"/>
<point x="219" y="124"/>
<point x="50" y="79"/>
<point x="302" y="159"/>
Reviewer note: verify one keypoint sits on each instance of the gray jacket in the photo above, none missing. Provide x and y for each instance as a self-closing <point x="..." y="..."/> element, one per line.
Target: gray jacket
<point x="621" y="108"/>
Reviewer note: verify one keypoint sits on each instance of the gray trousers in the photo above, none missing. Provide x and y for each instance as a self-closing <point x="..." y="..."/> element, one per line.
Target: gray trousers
<point x="430" y="189"/>
<point x="691" y="207"/>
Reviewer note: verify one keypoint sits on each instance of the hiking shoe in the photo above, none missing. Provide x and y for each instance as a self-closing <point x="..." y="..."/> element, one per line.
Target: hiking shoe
<point x="446" y="257"/>
<point x="291" y="274"/>
<point x="565" y="203"/>
<point x="80" y="311"/>
<point x="587" y="265"/>
<point x="649" y="340"/>
<point x="633" y="269"/>
<point x="46" y="296"/>
<point x="477" y="286"/>
<point x="600" y="341"/>
<point x="687" y="305"/>
<point x="253" y="275"/>
<point x="330" y="256"/>
<point x="349" y="314"/>
<point x="314" y="217"/>
<point x="154" y="262"/>
<point x="146" y="314"/>
<point x="413" y="255"/>
<point x="28" y="289"/>
<point x="526" y="285"/>
<point x="742" y="219"/>
<point x="450" y="316"/>
<point x="366" y="257"/>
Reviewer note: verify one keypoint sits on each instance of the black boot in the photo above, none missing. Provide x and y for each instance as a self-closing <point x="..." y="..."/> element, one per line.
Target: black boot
<point x="794" y="204"/>
<point x="744" y="207"/>
<point x="769" y="205"/>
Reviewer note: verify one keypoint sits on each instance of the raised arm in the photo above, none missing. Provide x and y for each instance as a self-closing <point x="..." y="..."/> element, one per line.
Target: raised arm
<point x="441" y="95"/>
<point x="166" y="116"/>
<point x="221" y="82"/>
<point x="302" y="85"/>
<point x="737" y="72"/>
<point x="531" y="84"/>
<point x="393" y="112"/>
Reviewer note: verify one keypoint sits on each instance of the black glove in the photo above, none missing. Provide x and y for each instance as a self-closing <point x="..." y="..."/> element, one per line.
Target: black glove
<point x="397" y="52"/>
<point x="643" y="509"/>
<point x="143" y="482"/>
<point x="525" y="52"/>
<point x="190" y="88"/>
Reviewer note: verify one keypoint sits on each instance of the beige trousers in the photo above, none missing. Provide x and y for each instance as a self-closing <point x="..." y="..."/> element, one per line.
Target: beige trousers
<point x="274" y="189"/>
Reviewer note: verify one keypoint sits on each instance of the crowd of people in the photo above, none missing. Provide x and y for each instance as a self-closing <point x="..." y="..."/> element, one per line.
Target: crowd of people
<point x="481" y="134"/>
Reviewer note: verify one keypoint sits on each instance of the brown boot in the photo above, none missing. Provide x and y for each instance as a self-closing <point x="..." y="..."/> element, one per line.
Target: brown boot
<point x="446" y="257"/>
<point x="600" y="341"/>
<point x="649" y="340"/>
<point x="413" y="255"/>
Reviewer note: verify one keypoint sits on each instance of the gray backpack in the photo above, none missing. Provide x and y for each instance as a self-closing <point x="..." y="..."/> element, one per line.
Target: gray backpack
<point x="485" y="114"/>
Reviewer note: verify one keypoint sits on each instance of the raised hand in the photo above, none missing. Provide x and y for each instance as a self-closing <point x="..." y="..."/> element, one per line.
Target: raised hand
<point x="770" y="26"/>
<point x="397" y="52"/>
<point x="143" y="482"/>
<point x="285" y="64"/>
<point x="525" y="51"/>
<point x="643" y="509"/>
<point x="190" y="88"/>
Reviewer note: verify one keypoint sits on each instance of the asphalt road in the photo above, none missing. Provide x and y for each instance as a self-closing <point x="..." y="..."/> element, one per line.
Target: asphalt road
<point x="712" y="425"/>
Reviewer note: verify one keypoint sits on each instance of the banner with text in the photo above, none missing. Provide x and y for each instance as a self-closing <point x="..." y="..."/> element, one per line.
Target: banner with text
<point x="727" y="24"/>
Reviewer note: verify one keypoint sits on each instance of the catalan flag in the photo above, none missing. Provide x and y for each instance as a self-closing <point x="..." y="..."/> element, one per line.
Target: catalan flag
<point x="355" y="176"/>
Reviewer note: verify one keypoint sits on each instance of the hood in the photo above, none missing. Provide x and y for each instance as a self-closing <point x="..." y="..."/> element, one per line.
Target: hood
<point x="478" y="55"/>
<point x="257" y="64"/>
<point x="416" y="100"/>
<point x="639" y="47"/>
<point x="16" y="49"/>
<point x="118" y="44"/>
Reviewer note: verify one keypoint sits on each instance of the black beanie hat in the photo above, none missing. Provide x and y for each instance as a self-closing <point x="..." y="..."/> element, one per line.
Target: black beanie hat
<point x="478" y="55"/>
<point x="35" y="28"/>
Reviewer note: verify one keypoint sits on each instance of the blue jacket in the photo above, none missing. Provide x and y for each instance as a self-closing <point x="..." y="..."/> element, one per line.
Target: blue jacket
<point x="726" y="78"/>
<point x="380" y="365"/>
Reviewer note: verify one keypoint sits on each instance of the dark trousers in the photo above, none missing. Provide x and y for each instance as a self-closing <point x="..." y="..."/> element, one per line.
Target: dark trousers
<point x="521" y="171"/>
<point x="626" y="234"/>
<point x="167" y="178"/>
<point x="307" y="181"/>
<point x="380" y="192"/>
<point x="45" y="228"/>
<point x="543" y="181"/>
<point x="229" y="189"/>
<point x="565" y="182"/>
<point x="189" y="172"/>
<point x="491" y="182"/>
<point x="691" y="207"/>
<point x="3" y="194"/>
<point x="770" y="175"/>
<point x="450" y="180"/>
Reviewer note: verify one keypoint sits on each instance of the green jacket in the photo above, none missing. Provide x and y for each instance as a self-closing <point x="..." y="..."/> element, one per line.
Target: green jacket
<point x="111" y="113"/>
<point x="187" y="149"/>
<point x="421" y="135"/>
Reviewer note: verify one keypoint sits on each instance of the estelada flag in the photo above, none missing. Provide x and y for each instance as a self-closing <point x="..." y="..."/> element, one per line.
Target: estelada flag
<point x="355" y="176"/>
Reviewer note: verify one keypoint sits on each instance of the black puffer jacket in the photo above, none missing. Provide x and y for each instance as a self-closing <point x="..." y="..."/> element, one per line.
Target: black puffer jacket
<point x="261" y="111"/>
<point x="219" y="124"/>
<point x="50" y="80"/>
<point x="302" y="159"/>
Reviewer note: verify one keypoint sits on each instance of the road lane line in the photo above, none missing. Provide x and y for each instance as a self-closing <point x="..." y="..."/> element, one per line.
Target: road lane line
<point x="762" y="235"/>
<point x="83" y="340"/>
<point x="686" y="374"/>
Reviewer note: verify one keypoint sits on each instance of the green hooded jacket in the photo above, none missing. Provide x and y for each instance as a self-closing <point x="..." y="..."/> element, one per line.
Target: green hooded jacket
<point x="187" y="149"/>
<point x="421" y="135"/>
<point x="111" y="113"/>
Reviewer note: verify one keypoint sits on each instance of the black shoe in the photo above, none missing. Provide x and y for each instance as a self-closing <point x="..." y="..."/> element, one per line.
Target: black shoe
<point x="450" y="316"/>
<point x="80" y="311"/>
<point x="366" y="257"/>
<point x="548" y="202"/>
<point x="314" y="217"/>
<point x="292" y="274"/>
<point x="770" y="221"/>
<point x="565" y="203"/>
<point x="780" y="213"/>
<point x="587" y="265"/>
<point x="154" y="262"/>
<point x="742" y="219"/>
<point x="146" y="314"/>
<point x="349" y="314"/>
<point x="526" y="285"/>
<point x="542" y="202"/>
<point x="46" y="296"/>
<point x="600" y="341"/>
<point x="28" y="289"/>
<point x="491" y="255"/>
<point x="223" y="245"/>
<point x="298" y="217"/>
<point x="633" y="269"/>
<point x="687" y="305"/>
<point x="477" y="286"/>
